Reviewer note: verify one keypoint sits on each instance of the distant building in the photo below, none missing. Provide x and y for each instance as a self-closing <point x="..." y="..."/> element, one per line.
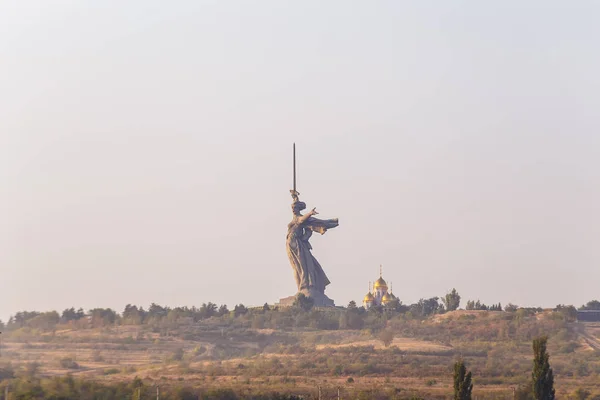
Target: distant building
<point x="379" y="294"/>
<point x="588" y="315"/>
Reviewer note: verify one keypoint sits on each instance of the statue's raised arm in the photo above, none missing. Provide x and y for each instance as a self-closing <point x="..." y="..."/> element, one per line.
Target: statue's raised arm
<point x="307" y="216"/>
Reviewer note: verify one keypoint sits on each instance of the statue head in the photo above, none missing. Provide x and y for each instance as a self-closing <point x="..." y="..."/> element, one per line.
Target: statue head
<point x="298" y="206"/>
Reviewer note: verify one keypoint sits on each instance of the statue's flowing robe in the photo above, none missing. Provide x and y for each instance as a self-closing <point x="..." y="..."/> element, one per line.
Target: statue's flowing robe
<point x="307" y="271"/>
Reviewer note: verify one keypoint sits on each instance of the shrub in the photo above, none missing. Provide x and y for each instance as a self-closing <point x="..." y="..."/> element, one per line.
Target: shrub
<point x="68" y="363"/>
<point x="582" y="394"/>
<point x="97" y="357"/>
<point x="569" y="347"/>
<point x="177" y="355"/>
<point x="111" y="371"/>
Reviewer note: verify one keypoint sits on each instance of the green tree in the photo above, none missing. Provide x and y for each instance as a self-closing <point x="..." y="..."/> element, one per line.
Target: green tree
<point x="137" y="385"/>
<point x="352" y="305"/>
<point x="395" y="305"/>
<point x="353" y="319"/>
<point x="591" y="305"/>
<point x="69" y="314"/>
<point x="102" y="316"/>
<point x="542" y="376"/>
<point x="478" y="305"/>
<point x="387" y="337"/>
<point x="463" y="385"/>
<point x="208" y="310"/>
<point x="223" y="310"/>
<point x="568" y="312"/>
<point x="239" y="309"/>
<point x="21" y="318"/>
<point x="426" y="307"/>
<point x="303" y="302"/>
<point x="157" y="311"/>
<point x="451" y="300"/>
<point x="44" y="321"/>
<point x="132" y="315"/>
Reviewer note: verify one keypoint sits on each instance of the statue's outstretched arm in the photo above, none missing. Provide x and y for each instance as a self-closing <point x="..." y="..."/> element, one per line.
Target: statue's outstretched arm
<point x="306" y="216"/>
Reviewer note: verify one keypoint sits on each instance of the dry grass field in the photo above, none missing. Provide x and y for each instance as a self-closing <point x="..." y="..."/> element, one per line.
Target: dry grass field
<point x="225" y="352"/>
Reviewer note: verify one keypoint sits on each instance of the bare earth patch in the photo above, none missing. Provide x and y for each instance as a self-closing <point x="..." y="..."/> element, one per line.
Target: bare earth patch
<point x="406" y="344"/>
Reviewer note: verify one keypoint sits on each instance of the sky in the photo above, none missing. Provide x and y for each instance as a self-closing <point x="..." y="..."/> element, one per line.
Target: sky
<point x="145" y="149"/>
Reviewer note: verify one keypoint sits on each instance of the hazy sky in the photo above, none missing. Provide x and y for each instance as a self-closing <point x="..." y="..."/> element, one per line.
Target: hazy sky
<point x="146" y="149"/>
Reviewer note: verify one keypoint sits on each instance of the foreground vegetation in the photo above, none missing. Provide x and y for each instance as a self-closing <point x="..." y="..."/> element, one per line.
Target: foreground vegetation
<point x="401" y="352"/>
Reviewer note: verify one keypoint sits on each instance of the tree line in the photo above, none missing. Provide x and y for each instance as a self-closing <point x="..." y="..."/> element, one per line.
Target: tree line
<point x="352" y="316"/>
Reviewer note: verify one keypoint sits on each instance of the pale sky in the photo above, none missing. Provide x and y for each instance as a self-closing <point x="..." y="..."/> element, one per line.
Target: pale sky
<point x="146" y="149"/>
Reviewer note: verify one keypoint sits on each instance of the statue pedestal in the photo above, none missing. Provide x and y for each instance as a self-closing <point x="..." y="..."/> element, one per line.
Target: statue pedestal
<point x="286" y="301"/>
<point x="320" y="299"/>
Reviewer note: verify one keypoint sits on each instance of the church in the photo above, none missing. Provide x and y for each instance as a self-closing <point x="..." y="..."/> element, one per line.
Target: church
<point x="379" y="294"/>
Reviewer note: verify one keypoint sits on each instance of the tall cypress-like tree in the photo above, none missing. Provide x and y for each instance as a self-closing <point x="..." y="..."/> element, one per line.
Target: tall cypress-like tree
<point x="463" y="386"/>
<point x="451" y="300"/>
<point x="542" y="376"/>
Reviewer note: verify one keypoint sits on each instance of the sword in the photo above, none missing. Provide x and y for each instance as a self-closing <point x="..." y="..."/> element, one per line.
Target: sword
<point x="294" y="192"/>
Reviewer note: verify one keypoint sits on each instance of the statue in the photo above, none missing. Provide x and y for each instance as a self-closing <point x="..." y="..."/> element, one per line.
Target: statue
<point x="308" y="273"/>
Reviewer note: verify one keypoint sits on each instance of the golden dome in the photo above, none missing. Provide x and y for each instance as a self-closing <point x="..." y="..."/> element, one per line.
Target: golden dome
<point x="380" y="283"/>
<point x="391" y="291"/>
<point x="386" y="298"/>
<point x="368" y="298"/>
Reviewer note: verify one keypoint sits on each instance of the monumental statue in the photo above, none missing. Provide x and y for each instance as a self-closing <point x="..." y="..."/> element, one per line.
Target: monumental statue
<point x="310" y="277"/>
